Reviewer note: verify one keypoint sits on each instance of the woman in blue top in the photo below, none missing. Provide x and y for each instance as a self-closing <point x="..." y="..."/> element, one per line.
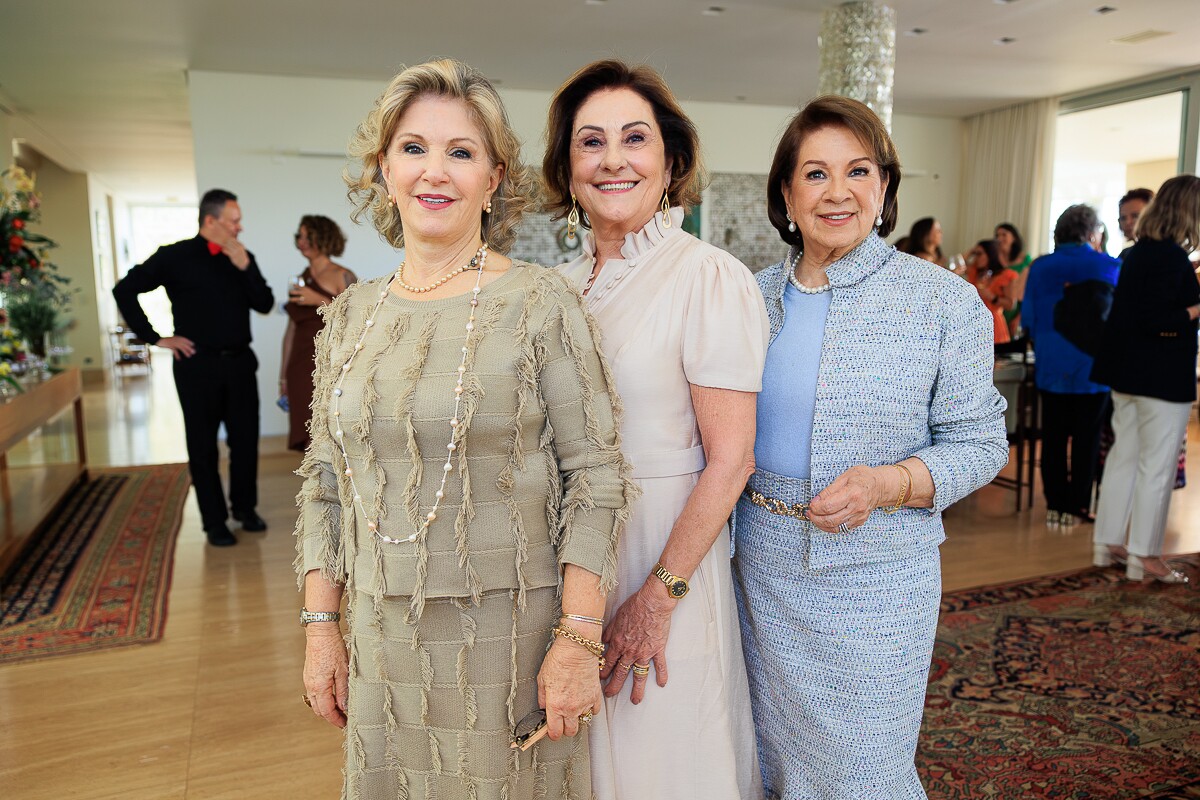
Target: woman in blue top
<point x="877" y="412"/>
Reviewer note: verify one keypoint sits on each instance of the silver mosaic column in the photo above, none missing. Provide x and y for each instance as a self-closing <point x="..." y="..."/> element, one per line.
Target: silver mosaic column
<point x="858" y="54"/>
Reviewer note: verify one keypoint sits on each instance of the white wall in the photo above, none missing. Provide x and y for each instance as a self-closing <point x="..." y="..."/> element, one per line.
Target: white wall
<point x="1151" y="174"/>
<point x="249" y="129"/>
<point x="66" y="219"/>
<point x="931" y="152"/>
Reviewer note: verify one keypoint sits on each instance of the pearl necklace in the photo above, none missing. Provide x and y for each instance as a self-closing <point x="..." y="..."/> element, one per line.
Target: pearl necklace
<point x="794" y="281"/>
<point x="422" y="289"/>
<point x="479" y="261"/>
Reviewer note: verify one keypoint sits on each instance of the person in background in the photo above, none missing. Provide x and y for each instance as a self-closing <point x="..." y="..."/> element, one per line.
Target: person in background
<point x="994" y="282"/>
<point x="1073" y="405"/>
<point x="213" y="283"/>
<point x="686" y="331"/>
<point x="925" y="240"/>
<point x="1011" y="249"/>
<point x="878" y="411"/>
<point x="317" y="239"/>
<point x="1148" y="357"/>
<point x="1129" y="209"/>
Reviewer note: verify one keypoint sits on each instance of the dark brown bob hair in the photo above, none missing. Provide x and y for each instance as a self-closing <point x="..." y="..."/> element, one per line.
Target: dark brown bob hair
<point x="324" y="234"/>
<point x="680" y="139"/>
<point x="832" y="111"/>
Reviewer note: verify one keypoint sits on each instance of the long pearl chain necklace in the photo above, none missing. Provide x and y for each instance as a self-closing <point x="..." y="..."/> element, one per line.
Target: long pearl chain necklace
<point x="479" y="261"/>
<point x="794" y="281"/>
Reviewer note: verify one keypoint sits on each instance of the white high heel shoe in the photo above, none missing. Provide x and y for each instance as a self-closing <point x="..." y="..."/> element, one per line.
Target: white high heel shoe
<point x="1103" y="556"/>
<point x="1135" y="570"/>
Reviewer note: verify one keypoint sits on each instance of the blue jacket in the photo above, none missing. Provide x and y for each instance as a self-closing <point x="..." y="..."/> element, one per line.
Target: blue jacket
<point x="1061" y="366"/>
<point x="906" y="370"/>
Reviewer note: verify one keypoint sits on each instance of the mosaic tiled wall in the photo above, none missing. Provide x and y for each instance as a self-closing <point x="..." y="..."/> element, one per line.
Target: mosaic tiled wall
<point x="539" y="241"/>
<point x="735" y="220"/>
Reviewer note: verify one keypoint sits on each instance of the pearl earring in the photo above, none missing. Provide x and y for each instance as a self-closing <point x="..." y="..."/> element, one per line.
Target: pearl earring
<point x="879" y="220"/>
<point x="791" y="224"/>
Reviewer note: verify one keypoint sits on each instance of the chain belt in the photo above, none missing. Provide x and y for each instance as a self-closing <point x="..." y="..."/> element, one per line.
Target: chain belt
<point x="798" y="510"/>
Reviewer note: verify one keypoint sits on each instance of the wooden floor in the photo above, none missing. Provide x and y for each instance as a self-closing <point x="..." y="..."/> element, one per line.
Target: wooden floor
<point x="214" y="710"/>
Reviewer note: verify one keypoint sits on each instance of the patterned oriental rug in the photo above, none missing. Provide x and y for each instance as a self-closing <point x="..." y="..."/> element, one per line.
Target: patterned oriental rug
<point x="96" y="575"/>
<point x="1073" y="686"/>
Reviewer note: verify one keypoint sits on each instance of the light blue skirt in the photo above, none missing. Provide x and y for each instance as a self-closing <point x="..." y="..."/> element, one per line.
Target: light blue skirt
<point x="838" y="658"/>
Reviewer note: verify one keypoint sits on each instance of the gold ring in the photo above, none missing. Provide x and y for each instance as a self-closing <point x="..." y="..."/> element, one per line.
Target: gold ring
<point x="641" y="670"/>
<point x="624" y="665"/>
<point x="307" y="702"/>
<point x="585" y="718"/>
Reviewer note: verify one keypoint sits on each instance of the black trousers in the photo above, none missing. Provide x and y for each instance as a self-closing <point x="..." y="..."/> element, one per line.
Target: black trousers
<point x="1070" y="421"/>
<point x="215" y="389"/>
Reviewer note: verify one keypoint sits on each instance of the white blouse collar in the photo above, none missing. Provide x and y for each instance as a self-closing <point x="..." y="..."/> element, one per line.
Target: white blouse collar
<point x="638" y="243"/>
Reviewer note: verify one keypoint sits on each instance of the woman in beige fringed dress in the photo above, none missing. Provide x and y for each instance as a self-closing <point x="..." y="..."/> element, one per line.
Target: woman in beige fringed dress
<point x="464" y="486"/>
<point x="685" y="330"/>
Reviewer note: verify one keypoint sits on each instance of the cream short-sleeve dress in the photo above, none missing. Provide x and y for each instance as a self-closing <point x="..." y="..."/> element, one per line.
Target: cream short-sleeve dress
<point x="675" y="312"/>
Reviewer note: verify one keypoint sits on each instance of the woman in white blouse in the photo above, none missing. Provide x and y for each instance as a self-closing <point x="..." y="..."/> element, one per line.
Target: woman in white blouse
<point x="684" y="328"/>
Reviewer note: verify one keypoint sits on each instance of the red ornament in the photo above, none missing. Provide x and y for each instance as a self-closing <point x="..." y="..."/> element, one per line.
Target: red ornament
<point x="34" y="263"/>
<point x="14" y="243"/>
<point x="18" y="223"/>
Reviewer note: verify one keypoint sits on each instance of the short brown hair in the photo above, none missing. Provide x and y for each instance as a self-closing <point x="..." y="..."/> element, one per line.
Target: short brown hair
<point x="680" y="138"/>
<point x="454" y="80"/>
<point x="1145" y="195"/>
<point x="1174" y="213"/>
<point x="324" y="234"/>
<point x="832" y="111"/>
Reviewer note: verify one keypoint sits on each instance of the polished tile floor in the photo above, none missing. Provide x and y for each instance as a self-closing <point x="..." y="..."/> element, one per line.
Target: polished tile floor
<point x="214" y="709"/>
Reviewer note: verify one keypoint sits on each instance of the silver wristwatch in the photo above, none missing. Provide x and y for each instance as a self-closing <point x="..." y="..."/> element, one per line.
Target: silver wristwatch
<point x="307" y="616"/>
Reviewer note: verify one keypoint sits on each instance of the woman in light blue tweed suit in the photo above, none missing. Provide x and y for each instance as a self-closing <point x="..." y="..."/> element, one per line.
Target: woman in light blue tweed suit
<point x="877" y="396"/>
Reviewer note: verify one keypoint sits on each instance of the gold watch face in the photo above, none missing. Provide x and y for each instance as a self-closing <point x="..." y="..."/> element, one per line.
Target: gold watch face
<point x="677" y="588"/>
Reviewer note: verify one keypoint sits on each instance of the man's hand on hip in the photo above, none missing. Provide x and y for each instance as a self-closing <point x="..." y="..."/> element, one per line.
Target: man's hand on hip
<point x="180" y="345"/>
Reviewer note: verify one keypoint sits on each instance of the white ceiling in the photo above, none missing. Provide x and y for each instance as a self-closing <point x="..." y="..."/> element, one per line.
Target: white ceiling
<point x="100" y="85"/>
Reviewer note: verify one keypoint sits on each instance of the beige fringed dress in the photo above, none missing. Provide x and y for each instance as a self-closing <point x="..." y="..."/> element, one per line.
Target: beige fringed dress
<point x="447" y="634"/>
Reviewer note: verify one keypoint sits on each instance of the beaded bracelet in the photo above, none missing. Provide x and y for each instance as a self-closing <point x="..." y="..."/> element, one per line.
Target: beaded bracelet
<point x="905" y="490"/>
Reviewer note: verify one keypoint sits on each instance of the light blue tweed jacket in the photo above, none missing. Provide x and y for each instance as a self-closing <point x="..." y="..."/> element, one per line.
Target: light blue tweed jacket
<point x="906" y="370"/>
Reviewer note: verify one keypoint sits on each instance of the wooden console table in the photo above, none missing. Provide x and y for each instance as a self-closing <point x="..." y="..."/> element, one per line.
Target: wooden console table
<point x="31" y="495"/>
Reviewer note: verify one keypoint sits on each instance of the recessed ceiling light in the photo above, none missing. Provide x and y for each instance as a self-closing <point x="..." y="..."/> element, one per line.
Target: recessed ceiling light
<point x="1004" y="40"/>
<point x="1104" y="10"/>
<point x="916" y="31"/>
<point x="713" y="11"/>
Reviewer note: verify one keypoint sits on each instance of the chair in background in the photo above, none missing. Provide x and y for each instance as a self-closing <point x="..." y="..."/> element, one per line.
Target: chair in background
<point x="1014" y="378"/>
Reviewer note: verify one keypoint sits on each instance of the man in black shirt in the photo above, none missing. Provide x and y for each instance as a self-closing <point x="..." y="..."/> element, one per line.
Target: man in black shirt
<point x="213" y="282"/>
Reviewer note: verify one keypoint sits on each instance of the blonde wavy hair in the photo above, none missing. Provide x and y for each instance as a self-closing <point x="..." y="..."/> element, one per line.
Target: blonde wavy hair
<point x="1174" y="213"/>
<point x="452" y="79"/>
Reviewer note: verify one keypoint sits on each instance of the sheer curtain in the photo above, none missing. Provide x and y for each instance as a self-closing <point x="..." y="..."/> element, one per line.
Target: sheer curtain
<point x="1008" y="172"/>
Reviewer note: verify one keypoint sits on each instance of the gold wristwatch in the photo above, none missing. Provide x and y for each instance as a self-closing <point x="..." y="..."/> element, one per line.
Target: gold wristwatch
<point x="677" y="587"/>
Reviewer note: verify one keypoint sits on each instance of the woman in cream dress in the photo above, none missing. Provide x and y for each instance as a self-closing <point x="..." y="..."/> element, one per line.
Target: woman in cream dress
<point x="684" y="328"/>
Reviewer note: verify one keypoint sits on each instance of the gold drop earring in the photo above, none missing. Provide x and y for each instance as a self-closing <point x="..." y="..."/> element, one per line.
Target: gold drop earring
<point x="572" y="218"/>
<point x="666" y="210"/>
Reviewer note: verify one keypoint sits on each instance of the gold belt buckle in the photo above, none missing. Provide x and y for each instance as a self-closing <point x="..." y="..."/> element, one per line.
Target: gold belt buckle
<point x="778" y="507"/>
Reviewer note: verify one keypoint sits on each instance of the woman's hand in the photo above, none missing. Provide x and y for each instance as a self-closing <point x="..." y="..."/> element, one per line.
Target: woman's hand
<point x="638" y="634"/>
<point x="306" y="296"/>
<point x="850" y="499"/>
<point x="568" y="687"/>
<point x="326" y="672"/>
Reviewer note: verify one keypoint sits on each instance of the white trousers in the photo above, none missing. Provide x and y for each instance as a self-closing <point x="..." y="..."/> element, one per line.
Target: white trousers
<point x="1140" y="472"/>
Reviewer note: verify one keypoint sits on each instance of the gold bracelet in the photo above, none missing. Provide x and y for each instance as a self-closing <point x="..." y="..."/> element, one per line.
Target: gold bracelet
<point x="595" y="648"/>
<point x="581" y="618"/>
<point x="905" y="490"/>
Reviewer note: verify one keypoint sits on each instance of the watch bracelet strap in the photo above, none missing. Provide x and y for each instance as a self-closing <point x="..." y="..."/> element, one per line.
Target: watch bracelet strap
<point x="307" y="616"/>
